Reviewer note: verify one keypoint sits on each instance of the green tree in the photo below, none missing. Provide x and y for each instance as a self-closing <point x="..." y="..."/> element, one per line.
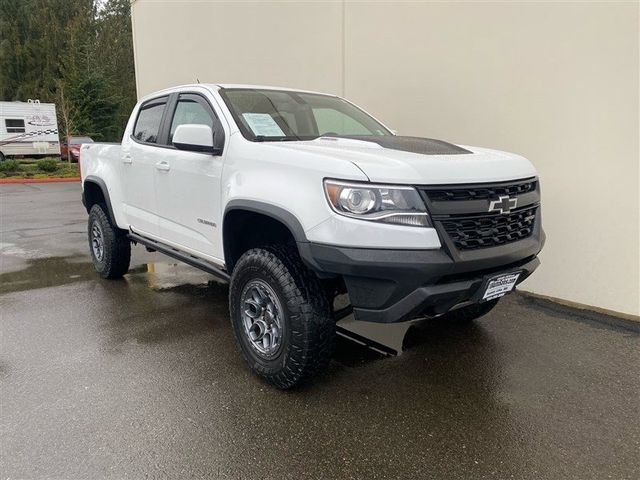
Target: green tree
<point x="71" y="50"/>
<point x="96" y="107"/>
<point x="114" y="52"/>
<point x="14" y="35"/>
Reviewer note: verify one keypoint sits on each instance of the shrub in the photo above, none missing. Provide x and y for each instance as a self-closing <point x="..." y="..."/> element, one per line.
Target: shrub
<point x="48" y="165"/>
<point x="68" y="170"/>
<point x="9" y="166"/>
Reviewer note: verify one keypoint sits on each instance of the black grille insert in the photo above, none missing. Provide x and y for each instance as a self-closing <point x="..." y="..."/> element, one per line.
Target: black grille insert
<point x="484" y="192"/>
<point x="481" y="231"/>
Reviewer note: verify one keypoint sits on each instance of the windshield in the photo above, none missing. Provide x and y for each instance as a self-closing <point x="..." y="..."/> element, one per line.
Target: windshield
<point x="278" y="115"/>
<point x="79" y="140"/>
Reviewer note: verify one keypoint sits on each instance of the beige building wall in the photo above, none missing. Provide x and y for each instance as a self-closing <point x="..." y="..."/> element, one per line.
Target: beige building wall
<point x="557" y="83"/>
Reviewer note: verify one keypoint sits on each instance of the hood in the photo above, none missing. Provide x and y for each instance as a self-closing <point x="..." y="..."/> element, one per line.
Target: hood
<point x="412" y="160"/>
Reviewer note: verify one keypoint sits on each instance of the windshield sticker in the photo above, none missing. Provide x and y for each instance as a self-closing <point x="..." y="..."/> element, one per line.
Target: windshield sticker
<point x="263" y="124"/>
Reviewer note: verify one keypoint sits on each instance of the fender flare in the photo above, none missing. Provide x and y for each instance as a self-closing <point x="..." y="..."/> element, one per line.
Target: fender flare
<point x="105" y="193"/>
<point x="285" y="217"/>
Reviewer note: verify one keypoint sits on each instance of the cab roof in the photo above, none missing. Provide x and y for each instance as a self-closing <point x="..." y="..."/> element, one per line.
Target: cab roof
<point x="218" y="86"/>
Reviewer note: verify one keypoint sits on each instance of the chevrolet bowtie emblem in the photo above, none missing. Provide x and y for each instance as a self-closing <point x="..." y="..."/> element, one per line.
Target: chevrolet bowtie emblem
<point x="503" y="205"/>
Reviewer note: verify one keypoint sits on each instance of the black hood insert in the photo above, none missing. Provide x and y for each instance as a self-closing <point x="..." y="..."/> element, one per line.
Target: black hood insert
<point x="424" y="146"/>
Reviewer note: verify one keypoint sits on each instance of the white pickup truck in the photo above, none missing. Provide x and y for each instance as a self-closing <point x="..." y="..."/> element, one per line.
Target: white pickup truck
<point x="295" y="198"/>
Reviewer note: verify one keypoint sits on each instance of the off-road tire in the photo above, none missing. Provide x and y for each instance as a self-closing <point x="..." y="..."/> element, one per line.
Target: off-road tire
<point x="117" y="247"/>
<point x="309" y="329"/>
<point x="468" y="314"/>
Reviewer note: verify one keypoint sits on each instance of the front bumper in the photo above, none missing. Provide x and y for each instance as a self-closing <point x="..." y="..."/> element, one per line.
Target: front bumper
<point x="389" y="286"/>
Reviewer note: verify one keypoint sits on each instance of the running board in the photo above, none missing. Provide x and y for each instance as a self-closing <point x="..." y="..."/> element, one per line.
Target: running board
<point x="182" y="256"/>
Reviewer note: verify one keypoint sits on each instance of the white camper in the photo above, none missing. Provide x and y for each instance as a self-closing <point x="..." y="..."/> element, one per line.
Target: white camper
<point x="28" y="128"/>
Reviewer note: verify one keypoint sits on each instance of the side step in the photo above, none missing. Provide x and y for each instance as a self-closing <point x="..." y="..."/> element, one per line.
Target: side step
<point x="182" y="256"/>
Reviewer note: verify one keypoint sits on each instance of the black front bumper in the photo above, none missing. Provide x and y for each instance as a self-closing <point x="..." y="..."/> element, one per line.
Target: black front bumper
<point x="389" y="286"/>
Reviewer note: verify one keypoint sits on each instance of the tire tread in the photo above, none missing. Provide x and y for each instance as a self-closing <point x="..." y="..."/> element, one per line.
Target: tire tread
<point x="117" y="244"/>
<point x="312" y="327"/>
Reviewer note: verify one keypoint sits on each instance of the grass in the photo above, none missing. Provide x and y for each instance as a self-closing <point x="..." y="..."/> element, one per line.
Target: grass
<point x="50" y="167"/>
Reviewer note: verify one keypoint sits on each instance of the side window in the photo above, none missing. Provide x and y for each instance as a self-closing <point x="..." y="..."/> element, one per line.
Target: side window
<point x="333" y="121"/>
<point x="148" y="122"/>
<point x="190" y="109"/>
<point x="14" y="125"/>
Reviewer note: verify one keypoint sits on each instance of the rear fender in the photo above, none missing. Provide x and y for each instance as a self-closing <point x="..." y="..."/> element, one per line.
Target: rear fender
<point x="87" y="200"/>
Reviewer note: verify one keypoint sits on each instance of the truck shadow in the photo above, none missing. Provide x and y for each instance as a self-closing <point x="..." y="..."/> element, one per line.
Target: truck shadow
<point x="167" y="301"/>
<point x="168" y="285"/>
<point x="193" y="308"/>
<point x="357" y="343"/>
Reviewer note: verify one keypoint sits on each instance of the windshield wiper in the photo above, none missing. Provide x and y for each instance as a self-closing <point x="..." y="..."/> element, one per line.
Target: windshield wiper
<point x="263" y="138"/>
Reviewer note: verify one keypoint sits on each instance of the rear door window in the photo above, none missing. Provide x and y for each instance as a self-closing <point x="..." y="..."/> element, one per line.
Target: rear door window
<point x="147" y="126"/>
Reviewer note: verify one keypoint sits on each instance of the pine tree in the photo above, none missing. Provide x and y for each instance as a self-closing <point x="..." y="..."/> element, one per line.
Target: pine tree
<point x="54" y="49"/>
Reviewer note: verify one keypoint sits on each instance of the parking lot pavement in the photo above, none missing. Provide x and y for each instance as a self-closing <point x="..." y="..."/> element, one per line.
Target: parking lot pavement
<point x="141" y="378"/>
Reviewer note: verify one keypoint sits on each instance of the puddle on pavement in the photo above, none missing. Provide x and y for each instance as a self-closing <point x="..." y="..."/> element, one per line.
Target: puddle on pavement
<point x="358" y="342"/>
<point x="46" y="272"/>
<point x="162" y="276"/>
<point x="58" y="271"/>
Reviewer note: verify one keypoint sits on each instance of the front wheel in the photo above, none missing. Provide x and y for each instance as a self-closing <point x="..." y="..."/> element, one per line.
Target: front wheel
<point x="281" y="317"/>
<point x="110" y="248"/>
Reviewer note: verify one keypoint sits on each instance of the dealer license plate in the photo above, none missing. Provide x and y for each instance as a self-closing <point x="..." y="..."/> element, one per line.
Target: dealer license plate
<point x="500" y="286"/>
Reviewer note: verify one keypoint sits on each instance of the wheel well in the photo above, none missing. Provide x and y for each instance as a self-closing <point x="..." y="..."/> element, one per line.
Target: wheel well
<point x="93" y="194"/>
<point x="243" y="230"/>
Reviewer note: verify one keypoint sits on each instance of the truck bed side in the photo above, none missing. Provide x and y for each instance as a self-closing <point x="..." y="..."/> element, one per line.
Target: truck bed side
<point x="101" y="167"/>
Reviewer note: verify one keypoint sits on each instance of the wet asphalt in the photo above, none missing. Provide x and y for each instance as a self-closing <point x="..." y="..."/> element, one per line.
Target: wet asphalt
<point x="141" y="378"/>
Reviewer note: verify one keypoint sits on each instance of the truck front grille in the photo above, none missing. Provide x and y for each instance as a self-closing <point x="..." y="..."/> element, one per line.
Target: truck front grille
<point x="481" y="192"/>
<point x="481" y="231"/>
<point x="484" y="215"/>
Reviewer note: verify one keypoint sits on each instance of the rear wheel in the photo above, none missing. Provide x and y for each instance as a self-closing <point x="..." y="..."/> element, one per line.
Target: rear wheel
<point x="469" y="313"/>
<point x="281" y="317"/>
<point x="110" y="248"/>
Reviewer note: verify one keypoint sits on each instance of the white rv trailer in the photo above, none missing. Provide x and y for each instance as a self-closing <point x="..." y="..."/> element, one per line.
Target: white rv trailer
<point x="28" y="128"/>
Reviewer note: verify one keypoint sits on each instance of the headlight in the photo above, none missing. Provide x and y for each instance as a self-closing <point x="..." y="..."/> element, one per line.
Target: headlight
<point x="398" y="205"/>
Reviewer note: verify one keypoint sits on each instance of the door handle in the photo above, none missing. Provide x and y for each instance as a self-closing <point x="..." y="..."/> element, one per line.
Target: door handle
<point x="127" y="159"/>
<point x="163" y="166"/>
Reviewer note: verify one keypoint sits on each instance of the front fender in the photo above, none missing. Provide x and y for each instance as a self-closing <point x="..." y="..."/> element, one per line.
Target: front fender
<point x="277" y="213"/>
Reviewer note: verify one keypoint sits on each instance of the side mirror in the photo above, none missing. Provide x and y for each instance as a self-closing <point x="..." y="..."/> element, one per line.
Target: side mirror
<point x="195" y="138"/>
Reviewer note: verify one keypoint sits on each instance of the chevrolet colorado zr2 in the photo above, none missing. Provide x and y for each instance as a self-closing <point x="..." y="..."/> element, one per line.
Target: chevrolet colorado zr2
<point x="295" y="198"/>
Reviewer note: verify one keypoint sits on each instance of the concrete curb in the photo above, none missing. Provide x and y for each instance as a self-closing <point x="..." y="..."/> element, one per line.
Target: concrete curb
<point x="581" y="314"/>
<point x="39" y="180"/>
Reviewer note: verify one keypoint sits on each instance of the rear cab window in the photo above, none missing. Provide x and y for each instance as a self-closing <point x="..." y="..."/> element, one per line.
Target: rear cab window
<point x="147" y="127"/>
